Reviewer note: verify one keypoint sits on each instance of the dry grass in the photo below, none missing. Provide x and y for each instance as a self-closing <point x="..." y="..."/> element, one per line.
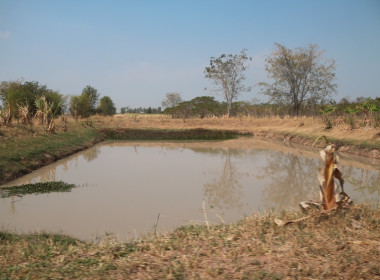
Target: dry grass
<point x="342" y="245"/>
<point x="312" y="127"/>
<point x="307" y="126"/>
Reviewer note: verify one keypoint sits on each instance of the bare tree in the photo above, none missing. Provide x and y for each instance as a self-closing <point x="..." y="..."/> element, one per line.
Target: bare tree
<point x="172" y="99"/>
<point x="227" y="72"/>
<point x="300" y="76"/>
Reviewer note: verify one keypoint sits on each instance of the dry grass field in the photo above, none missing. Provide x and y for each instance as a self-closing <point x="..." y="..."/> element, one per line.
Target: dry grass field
<point x="312" y="127"/>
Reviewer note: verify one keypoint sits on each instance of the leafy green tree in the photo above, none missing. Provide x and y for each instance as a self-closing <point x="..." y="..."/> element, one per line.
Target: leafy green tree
<point x="227" y="72"/>
<point x="123" y="110"/>
<point x="205" y="106"/>
<point x="80" y="106"/>
<point x="93" y="95"/>
<point x="182" y="110"/>
<point x="300" y="76"/>
<point x="106" y="106"/>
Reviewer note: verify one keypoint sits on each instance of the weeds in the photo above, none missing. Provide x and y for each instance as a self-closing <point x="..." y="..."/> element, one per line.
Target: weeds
<point x="351" y="121"/>
<point x="326" y="115"/>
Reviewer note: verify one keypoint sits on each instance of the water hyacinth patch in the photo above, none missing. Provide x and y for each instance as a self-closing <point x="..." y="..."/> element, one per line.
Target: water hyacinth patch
<point x="37" y="188"/>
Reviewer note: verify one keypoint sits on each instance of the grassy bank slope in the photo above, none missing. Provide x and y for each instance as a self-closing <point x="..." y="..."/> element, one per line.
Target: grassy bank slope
<point x="25" y="149"/>
<point x="342" y="245"/>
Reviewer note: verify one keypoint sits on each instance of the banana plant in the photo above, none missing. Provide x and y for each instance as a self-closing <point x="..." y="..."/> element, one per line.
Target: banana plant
<point x="46" y="112"/>
<point x="368" y="108"/>
<point x="326" y="112"/>
<point x="6" y="115"/>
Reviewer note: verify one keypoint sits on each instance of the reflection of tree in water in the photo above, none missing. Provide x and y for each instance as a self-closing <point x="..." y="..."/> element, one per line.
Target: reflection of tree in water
<point x="290" y="179"/>
<point x="48" y="176"/>
<point x="91" y="154"/>
<point x="362" y="180"/>
<point x="13" y="206"/>
<point x="225" y="192"/>
<point x="220" y="151"/>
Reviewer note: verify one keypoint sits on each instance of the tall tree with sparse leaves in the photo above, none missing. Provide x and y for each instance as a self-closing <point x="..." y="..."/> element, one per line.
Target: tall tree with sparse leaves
<point x="227" y="72"/>
<point x="172" y="99"/>
<point x="300" y="77"/>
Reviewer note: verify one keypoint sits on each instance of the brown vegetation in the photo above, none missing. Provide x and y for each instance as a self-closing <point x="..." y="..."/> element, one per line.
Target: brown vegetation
<point x="343" y="244"/>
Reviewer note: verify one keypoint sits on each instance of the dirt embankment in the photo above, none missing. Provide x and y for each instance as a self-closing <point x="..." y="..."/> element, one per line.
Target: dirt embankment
<point x="363" y="140"/>
<point x="321" y="142"/>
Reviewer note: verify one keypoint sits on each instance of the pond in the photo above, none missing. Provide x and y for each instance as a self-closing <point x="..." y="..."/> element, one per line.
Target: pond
<point x="133" y="188"/>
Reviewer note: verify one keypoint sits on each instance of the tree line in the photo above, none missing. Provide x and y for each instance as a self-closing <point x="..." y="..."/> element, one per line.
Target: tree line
<point x="345" y="110"/>
<point x="140" y="110"/>
<point x="24" y="100"/>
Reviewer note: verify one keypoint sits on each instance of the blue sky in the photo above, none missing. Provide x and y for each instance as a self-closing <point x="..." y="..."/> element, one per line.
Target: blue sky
<point x="137" y="51"/>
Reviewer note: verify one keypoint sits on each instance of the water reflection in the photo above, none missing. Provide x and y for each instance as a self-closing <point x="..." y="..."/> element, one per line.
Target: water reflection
<point x="225" y="191"/>
<point x="91" y="154"/>
<point x="129" y="184"/>
<point x="365" y="183"/>
<point x="292" y="178"/>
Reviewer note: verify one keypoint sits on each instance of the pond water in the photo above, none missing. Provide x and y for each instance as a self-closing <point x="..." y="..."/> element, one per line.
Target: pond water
<point x="132" y="188"/>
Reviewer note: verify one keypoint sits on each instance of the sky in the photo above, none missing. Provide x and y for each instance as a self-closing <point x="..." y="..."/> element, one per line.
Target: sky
<point x="137" y="51"/>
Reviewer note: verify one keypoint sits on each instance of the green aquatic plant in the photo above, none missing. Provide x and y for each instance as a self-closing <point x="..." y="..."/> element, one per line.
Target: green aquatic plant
<point x="36" y="188"/>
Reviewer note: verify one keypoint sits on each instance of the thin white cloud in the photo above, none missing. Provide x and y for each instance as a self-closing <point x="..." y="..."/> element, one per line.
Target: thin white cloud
<point x="4" y="34"/>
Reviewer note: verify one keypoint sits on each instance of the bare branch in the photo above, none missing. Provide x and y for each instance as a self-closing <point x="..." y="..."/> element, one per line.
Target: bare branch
<point x="227" y="73"/>
<point x="299" y="76"/>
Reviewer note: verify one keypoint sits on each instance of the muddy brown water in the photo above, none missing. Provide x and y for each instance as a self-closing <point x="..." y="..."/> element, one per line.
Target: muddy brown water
<point x="132" y="188"/>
